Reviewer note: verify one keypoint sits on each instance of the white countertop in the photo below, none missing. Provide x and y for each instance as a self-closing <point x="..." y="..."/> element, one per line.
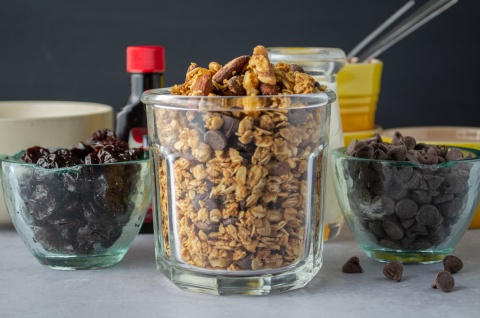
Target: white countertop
<point x="134" y="288"/>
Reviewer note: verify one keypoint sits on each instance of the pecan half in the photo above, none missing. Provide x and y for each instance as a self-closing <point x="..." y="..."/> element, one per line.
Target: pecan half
<point x="233" y="67"/>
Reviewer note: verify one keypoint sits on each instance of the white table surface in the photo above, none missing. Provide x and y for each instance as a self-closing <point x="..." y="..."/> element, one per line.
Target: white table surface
<point x="134" y="288"/>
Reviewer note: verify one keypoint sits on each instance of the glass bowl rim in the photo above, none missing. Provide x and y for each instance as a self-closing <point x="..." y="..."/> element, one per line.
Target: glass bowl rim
<point x="14" y="159"/>
<point x="340" y="153"/>
<point x="163" y="99"/>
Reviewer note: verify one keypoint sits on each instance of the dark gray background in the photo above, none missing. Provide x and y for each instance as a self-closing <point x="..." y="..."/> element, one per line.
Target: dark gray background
<point x="75" y="50"/>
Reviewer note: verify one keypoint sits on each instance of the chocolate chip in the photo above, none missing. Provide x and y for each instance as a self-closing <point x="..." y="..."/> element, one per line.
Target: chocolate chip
<point x="410" y="142"/>
<point x="453" y="184"/>
<point x="397" y="153"/>
<point x="397" y="138"/>
<point x="296" y="68"/>
<point x="235" y="85"/>
<point x="206" y="227"/>
<point x="281" y="168"/>
<point x="454" y="154"/>
<point x="352" y="266"/>
<point x="377" y="228"/>
<point x="211" y="204"/>
<point x="402" y="174"/>
<point x="198" y="127"/>
<point x="397" y="192"/>
<point x="417" y="229"/>
<point x="406" y="208"/>
<point x="351" y="147"/>
<point x="436" y="234"/>
<point x="452" y="264"/>
<point x="230" y="125"/>
<point x="215" y="139"/>
<point x="406" y="223"/>
<point x="421" y="196"/>
<point x="390" y="244"/>
<point x="199" y="197"/>
<point x="428" y="215"/>
<point x="380" y="155"/>
<point x="444" y="281"/>
<point x="393" y="230"/>
<point x="443" y="197"/>
<point x="421" y="244"/>
<point x="231" y="220"/>
<point x="297" y="116"/>
<point x="366" y="152"/>
<point x="246" y="262"/>
<point x="393" y="271"/>
<point x="452" y="208"/>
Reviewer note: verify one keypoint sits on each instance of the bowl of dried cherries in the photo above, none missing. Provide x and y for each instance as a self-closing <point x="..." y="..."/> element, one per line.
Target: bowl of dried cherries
<point x="406" y="201"/>
<point x="78" y="207"/>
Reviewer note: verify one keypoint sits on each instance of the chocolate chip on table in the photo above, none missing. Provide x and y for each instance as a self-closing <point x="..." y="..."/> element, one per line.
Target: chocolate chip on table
<point x="444" y="281"/>
<point x="352" y="266"/>
<point x="215" y="139"/>
<point x="393" y="271"/>
<point x="452" y="264"/>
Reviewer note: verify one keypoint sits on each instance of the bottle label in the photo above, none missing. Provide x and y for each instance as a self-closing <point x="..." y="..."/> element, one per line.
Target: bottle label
<point x="138" y="138"/>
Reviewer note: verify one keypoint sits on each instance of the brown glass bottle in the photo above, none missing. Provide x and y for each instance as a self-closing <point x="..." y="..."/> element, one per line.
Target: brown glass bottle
<point x="146" y="65"/>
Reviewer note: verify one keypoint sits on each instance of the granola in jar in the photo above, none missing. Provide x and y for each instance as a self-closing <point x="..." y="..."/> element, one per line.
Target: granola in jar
<point x="236" y="169"/>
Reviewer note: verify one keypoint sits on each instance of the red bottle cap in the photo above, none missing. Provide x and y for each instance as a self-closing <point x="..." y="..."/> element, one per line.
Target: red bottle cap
<point x="145" y="59"/>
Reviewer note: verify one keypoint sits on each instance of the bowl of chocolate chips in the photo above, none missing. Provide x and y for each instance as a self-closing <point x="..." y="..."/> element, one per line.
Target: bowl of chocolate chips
<point x="78" y="207"/>
<point x="405" y="200"/>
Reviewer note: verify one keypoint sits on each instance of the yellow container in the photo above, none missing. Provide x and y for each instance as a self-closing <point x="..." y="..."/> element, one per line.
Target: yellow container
<point x="358" y="90"/>
<point x="468" y="137"/>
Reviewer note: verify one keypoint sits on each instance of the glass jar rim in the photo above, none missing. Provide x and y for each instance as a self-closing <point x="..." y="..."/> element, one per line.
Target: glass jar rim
<point x="162" y="98"/>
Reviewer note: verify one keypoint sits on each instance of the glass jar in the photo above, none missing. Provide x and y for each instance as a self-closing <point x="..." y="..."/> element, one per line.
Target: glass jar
<point x="238" y="180"/>
<point x="323" y="64"/>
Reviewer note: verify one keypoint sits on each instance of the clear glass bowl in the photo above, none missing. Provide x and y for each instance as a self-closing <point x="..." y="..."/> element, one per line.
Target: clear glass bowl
<point x="78" y="217"/>
<point x="239" y="183"/>
<point x="404" y="211"/>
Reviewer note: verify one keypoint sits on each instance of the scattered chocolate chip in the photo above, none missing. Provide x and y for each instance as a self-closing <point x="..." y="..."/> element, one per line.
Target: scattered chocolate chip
<point x="452" y="264"/>
<point x="393" y="271"/>
<point x="352" y="266"/>
<point x="444" y="281"/>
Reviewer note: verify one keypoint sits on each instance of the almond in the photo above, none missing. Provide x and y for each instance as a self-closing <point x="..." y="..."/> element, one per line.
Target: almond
<point x="232" y="68"/>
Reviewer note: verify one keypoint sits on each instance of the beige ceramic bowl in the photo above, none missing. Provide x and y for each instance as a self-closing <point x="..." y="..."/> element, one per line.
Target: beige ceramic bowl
<point x="468" y="137"/>
<point x="25" y="124"/>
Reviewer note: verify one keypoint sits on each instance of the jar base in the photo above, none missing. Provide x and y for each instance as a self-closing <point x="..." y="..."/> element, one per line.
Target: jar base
<point x="265" y="284"/>
<point x="79" y="262"/>
<point x="407" y="257"/>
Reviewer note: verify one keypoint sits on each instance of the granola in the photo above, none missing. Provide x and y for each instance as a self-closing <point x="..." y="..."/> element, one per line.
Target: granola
<point x="241" y="179"/>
